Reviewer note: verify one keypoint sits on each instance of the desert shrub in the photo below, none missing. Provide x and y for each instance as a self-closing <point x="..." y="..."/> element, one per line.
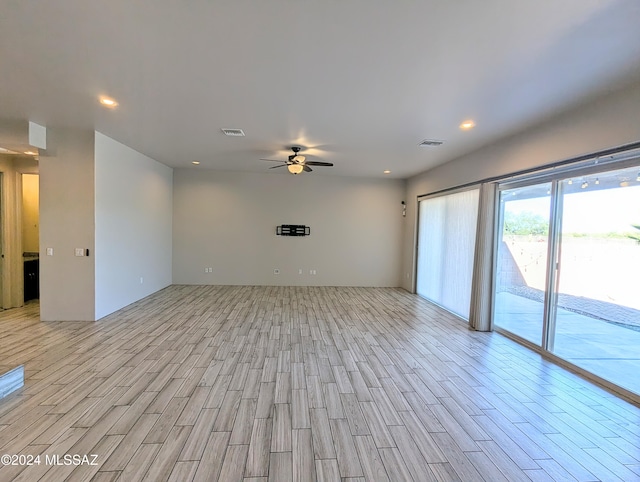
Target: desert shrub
<point x="524" y="223"/>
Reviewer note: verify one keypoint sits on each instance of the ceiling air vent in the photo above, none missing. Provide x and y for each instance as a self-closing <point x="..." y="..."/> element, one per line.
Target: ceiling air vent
<point x="431" y="143"/>
<point x="233" y="132"/>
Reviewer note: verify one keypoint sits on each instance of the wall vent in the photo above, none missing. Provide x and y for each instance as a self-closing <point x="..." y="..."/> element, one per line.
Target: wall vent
<point x="431" y="143"/>
<point x="233" y="132"/>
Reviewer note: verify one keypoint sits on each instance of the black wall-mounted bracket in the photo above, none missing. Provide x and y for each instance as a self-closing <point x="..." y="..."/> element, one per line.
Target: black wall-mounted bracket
<point x="293" y="230"/>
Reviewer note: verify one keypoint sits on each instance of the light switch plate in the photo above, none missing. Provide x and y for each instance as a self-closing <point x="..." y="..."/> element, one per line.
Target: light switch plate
<point x="79" y="251"/>
<point x="49" y="251"/>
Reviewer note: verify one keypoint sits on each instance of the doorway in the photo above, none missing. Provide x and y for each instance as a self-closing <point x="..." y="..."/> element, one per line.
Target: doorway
<point x="31" y="235"/>
<point x="567" y="264"/>
<point x="13" y="170"/>
<point x="1" y="239"/>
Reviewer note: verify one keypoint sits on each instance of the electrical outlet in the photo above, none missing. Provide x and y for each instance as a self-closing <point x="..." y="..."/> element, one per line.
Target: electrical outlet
<point x="300" y="271"/>
<point x="79" y="251"/>
<point x="276" y="271"/>
<point x="49" y="251"/>
<point x="312" y="271"/>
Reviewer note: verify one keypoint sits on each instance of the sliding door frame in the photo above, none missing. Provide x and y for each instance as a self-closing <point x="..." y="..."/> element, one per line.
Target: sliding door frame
<point x="553" y="267"/>
<point x="554" y="247"/>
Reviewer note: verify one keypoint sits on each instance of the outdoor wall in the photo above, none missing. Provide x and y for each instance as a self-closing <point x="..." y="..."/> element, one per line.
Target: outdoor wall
<point x="227" y="221"/>
<point x="133" y="202"/>
<point x="67" y="222"/>
<point x="609" y="121"/>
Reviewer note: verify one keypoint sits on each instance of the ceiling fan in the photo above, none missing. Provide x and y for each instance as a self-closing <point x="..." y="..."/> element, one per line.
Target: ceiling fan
<point x="297" y="163"/>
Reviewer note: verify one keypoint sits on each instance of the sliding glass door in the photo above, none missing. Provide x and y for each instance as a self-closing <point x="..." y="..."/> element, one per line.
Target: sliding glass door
<point x="567" y="273"/>
<point x="597" y="325"/>
<point x="446" y="244"/>
<point x="521" y="269"/>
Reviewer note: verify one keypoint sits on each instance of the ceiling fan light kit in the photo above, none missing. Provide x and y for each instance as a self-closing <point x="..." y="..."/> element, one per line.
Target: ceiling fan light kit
<point x="297" y="163"/>
<point x="295" y="168"/>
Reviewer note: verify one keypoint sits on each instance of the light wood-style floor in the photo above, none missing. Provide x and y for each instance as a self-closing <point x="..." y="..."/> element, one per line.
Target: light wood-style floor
<point x="276" y="384"/>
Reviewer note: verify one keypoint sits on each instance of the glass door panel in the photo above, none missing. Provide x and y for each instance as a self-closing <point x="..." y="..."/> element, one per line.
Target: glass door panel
<point x="597" y="324"/>
<point x="521" y="265"/>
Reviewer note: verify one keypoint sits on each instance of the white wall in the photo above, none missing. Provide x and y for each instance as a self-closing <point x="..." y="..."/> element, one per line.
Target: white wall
<point x="227" y="221"/>
<point x="133" y="202"/>
<point x="610" y="121"/>
<point x="67" y="222"/>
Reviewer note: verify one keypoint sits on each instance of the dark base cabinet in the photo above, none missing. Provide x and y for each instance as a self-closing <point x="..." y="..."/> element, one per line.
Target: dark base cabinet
<point x="31" y="279"/>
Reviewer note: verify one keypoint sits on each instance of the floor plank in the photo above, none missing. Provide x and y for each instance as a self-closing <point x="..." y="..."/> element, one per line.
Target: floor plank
<point x="260" y="383"/>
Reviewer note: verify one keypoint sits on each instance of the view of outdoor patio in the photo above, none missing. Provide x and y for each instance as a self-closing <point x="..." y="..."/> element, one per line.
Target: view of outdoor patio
<point x="597" y="322"/>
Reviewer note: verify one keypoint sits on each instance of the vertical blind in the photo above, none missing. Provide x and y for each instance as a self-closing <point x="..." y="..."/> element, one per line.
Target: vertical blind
<point x="446" y="246"/>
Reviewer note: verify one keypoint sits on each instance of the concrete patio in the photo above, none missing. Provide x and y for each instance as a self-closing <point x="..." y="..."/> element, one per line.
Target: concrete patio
<point x="608" y="350"/>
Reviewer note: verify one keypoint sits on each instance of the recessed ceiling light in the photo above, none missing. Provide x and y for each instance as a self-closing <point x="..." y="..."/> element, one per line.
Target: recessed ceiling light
<point x="195" y="163"/>
<point x="468" y="124"/>
<point x="30" y="153"/>
<point x="108" y="102"/>
<point x="233" y="132"/>
<point x="386" y="172"/>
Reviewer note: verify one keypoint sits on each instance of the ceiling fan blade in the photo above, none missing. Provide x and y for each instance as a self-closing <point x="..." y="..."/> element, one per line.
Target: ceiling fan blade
<point x="275" y="167"/>
<point x="272" y="160"/>
<point x="307" y="168"/>
<point x="318" y="163"/>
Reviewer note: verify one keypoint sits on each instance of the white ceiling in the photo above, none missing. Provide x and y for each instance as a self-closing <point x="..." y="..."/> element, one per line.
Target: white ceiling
<point x="358" y="82"/>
